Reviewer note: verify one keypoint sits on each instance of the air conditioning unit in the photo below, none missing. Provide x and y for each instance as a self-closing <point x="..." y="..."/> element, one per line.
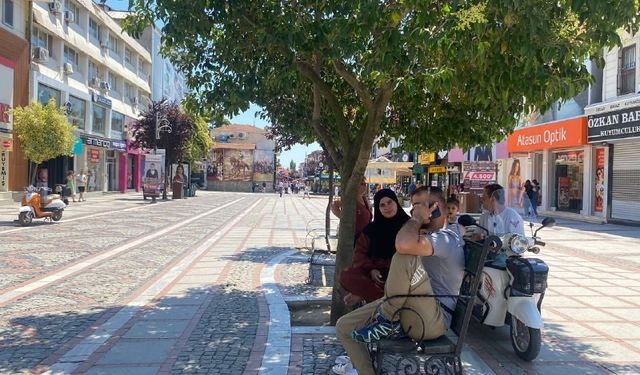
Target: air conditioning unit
<point x="67" y="68"/>
<point x="95" y="82"/>
<point x="41" y="55"/>
<point x="69" y="16"/>
<point x="105" y="86"/>
<point x="242" y="135"/>
<point x="55" y="6"/>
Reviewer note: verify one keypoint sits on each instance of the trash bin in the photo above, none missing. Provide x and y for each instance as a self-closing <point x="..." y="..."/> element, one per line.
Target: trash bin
<point x="177" y="190"/>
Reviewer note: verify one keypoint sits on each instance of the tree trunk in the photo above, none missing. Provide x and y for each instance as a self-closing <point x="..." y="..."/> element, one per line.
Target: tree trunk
<point x="327" y="218"/>
<point x="345" y="240"/>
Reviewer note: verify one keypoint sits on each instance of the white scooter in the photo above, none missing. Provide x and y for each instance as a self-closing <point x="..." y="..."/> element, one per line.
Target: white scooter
<point x="513" y="288"/>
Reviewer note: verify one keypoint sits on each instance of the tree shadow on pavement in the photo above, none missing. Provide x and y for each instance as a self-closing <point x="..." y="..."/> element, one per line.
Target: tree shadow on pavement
<point x="224" y="321"/>
<point x="560" y="353"/>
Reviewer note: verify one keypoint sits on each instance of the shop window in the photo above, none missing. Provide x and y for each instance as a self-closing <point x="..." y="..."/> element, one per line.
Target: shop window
<point x="46" y="93"/>
<point x="117" y="121"/>
<point x="99" y="119"/>
<point x="7" y="12"/>
<point x="627" y="73"/>
<point x="569" y="170"/>
<point x="77" y="111"/>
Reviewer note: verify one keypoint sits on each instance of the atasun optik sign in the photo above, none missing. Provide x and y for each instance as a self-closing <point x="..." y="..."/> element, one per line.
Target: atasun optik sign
<point x="620" y="124"/>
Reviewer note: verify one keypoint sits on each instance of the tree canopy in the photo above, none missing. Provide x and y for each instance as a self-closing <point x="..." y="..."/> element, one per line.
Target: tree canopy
<point x="434" y="73"/>
<point x="43" y="131"/>
<point x="200" y="142"/>
<point x="175" y="142"/>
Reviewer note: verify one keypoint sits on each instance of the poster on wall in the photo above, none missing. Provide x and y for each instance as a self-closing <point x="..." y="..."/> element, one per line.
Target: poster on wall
<point x="215" y="165"/>
<point x="6" y="96"/>
<point x="517" y="174"/>
<point x="477" y="175"/>
<point x="599" y="181"/>
<point x="564" y="188"/>
<point x="263" y="165"/>
<point x="238" y="165"/>
<point x="180" y="173"/>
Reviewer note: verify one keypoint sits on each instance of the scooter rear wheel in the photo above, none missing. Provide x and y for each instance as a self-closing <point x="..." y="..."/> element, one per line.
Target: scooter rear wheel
<point x="526" y="341"/>
<point x="25" y="218"/>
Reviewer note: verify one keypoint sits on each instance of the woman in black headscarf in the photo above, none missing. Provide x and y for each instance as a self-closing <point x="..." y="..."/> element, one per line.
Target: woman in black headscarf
<point x="373" y="250"/>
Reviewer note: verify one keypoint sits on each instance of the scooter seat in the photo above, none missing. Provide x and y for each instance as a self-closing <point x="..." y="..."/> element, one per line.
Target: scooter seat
<point x="49" y="198"/>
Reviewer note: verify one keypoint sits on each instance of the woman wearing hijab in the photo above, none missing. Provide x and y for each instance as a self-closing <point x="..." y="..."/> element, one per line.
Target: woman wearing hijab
<point x="373" y="250"/>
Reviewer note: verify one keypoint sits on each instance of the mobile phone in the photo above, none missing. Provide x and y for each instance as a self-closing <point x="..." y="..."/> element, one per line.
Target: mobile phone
<point x="435" y="214"/>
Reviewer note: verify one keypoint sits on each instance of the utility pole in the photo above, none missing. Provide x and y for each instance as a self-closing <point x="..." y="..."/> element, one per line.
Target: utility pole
<point x="162" y="125"/>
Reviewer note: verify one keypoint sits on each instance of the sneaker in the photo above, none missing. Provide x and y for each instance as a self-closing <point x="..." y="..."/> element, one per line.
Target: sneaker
<point x="380" y="328"/>
<point x="342" y="359"/>
<point x="345" y="368"/>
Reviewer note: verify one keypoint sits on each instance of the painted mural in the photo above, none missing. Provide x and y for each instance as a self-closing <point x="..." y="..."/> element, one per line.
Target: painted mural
<point x="263" y="165"/>
<point x="215" y="165"/>
<point x="238" y="165"/>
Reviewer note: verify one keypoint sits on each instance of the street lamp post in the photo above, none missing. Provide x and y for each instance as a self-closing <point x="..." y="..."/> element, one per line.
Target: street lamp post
<point x="162" y="125"/>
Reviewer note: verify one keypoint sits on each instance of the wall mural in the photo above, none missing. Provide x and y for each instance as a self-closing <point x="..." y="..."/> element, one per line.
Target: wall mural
<point x="238" y="165"/>
<point x="215" y="165"/>
<point x="263" y="165"/>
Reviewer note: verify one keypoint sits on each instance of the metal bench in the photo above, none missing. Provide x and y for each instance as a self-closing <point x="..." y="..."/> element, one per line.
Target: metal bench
<point x="441" y="355"/>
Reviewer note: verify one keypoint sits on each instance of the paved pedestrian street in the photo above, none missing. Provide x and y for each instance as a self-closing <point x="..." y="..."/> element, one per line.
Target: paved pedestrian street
<point x="201" y="285"/>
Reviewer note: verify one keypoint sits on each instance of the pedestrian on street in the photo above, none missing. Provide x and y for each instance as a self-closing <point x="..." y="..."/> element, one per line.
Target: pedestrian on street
<point x="71" y="185"/>
<point x="82" y="180"/>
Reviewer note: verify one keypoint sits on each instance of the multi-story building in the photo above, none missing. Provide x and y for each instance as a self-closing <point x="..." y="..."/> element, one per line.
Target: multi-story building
<point x="613" y="130"/>
<point x="84" y="61"/>
<point x="14" y="90"/>
<point x="166" y="81"/>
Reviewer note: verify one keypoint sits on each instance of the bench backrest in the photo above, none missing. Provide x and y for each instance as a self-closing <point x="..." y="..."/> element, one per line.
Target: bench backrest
<point x="475" y="254"/>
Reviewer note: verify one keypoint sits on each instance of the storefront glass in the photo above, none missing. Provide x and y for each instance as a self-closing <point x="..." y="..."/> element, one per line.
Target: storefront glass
<point x="45" y="93"/>
<point x="95" y="169"/>
<point x="99" y="119"/>
<point x="77" y="112"/>
<point x="569" y="172"/>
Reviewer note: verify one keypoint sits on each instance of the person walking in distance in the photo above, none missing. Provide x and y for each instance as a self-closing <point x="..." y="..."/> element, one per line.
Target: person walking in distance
<point x="71" y="184"/>
<point x="82" y="180"/>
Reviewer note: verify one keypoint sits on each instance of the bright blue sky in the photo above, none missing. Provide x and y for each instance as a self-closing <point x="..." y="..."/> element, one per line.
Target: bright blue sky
<point x="297" y="153"/>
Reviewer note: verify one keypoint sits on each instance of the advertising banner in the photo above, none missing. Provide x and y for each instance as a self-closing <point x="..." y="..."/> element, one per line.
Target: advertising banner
<point x="478" y="174"/>
<point x="215" y="165"/>
<point x="153" y="168"/>
<point x="598" y="204"/>
<point x="4" y="171"/>
<point x="238" y="165"/>
<point x="6" y="94"/>
<point x="263" y="165"/>
<point x="518" y="174"/>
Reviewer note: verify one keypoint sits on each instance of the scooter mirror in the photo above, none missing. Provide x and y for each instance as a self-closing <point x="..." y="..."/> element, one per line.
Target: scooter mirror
<point x="466" y="220"/>
<point x="548" y="222"/>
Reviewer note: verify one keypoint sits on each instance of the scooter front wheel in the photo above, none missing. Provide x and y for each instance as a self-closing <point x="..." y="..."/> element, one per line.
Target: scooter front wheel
<point x="526" y="341"/>
<point x="25" y="218"/>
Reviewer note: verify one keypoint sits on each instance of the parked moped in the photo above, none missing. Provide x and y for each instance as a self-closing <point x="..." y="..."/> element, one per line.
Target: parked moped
<point x="513" y="288"/>
<point x="35" y="207"/>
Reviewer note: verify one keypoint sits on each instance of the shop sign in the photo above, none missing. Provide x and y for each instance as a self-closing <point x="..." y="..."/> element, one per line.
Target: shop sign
<point x="6" y="144"/>
<point x="437" y="169"/>
<point x="94" y="156"/>
<point x="4" y="171"/>
<point x="119" y="145"/>
<point x="426" y="157"/>
<point x="102" y="100"/>
<point x="598" y="204"/>
<point x="480" y="176"/>
<point x="619" y="124"/>
<point x="567" y="133"/>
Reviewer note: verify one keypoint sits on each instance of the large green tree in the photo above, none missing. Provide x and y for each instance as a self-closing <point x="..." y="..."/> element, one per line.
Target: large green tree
<point x="435" y="73"/>
<point x="43" y="131"/>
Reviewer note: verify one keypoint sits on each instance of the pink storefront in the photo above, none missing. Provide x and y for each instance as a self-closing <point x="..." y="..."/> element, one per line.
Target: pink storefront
<point x="131" y="164"/>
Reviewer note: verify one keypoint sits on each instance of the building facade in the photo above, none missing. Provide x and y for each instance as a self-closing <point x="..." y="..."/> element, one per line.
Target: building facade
<point x="14" y="90"/>
<point x="83" y="61"/>
<point x="241" y="159"/>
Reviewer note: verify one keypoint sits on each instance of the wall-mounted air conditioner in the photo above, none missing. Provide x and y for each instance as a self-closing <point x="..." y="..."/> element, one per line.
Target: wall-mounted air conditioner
<point x="55" y="6"/>
<point x="40" y="55"/>
<point x="69" y="16"/>
<point x="67" y="68"/>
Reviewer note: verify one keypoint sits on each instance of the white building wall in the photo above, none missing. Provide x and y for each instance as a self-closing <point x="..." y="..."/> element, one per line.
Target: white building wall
<point x="19" y="18"/>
